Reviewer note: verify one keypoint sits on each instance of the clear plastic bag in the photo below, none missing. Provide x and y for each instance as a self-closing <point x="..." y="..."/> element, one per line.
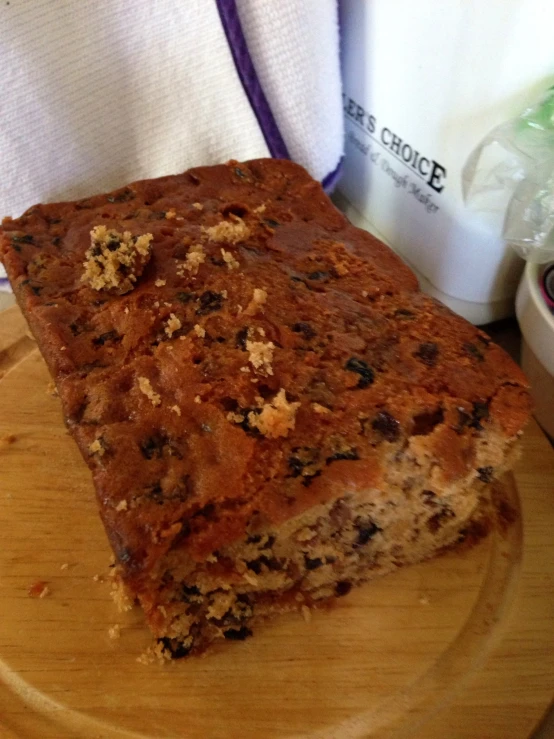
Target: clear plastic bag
<point x="512" y="169"/>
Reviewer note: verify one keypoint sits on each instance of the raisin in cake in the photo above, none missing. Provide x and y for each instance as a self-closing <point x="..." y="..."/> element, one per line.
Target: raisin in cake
<point x="271" y="409"/>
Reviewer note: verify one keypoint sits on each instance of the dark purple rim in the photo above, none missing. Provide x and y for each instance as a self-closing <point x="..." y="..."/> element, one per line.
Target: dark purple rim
<point x="245" y="68"/>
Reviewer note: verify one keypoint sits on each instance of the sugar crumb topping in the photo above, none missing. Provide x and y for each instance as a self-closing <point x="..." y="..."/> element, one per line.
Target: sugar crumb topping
<point x="277" y="417"/>
<point x="176" y="409"/>
<point x="260" y="295"/>
<point x="114" y="632"/>
<point x="259" y="298"/>
<point x="169" y="214"/>
<point x="230" y="260"/>
<point x="230" y="232"/>
<point x="197" y="399"/>
<point x="261" y="355"/>
<point x="173" y="324"/>
<point x="199" y="330"/>
<point x="250" y="578"/>
<point x="339" y="257"/>
<point x="305" y="534"/>
<point x="160" y="283"/>
<point x="195" y="257"/>
<point x="321" y="409"/>
<point x="198" y="206"/>
<point x="115" y="260"/>
<point x="97" y="447"/>
<point x="260" y="208"/>
<point x="121" y="506"/>
<point x="235" y="417"/>
<point x="147" y="389"/>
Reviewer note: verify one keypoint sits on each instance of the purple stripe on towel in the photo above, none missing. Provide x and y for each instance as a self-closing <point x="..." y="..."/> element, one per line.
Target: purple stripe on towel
<point x="243" y="62"/>
<point x="329" y="182"/>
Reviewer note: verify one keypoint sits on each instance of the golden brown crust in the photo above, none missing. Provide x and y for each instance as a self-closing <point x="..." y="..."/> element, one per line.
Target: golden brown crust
<point x="368" y="363"/>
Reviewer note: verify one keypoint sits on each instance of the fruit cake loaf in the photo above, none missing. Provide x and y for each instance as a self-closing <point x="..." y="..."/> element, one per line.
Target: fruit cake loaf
<point x="271" y="409"/>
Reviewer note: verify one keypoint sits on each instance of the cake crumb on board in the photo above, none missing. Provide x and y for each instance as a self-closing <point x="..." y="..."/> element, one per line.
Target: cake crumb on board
<point x="120" y="595"/>
<point x="39" y="589"/>
<point x="156" y="653"/>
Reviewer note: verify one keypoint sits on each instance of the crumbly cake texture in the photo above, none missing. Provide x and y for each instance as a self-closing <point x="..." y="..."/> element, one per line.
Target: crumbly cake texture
<point x="271" y="410"/>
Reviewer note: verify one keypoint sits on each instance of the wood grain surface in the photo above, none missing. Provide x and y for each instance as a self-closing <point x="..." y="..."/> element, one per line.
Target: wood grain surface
<point x="459" y="647"/>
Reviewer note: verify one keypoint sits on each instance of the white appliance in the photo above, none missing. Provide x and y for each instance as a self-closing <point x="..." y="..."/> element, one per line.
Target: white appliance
<point x="423" y="83"/>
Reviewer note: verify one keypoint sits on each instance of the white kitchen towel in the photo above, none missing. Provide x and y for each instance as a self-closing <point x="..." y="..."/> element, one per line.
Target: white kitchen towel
<point x="97" y="93"/>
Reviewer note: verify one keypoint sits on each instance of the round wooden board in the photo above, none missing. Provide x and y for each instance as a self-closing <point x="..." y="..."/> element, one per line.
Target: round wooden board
<point x="460" y="647"/>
